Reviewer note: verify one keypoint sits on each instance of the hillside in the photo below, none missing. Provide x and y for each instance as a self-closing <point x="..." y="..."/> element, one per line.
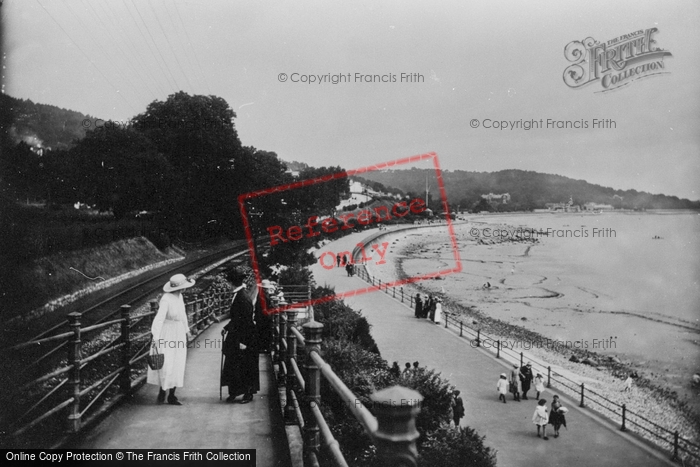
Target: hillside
<point x="528" y="190"/>
<point x="42" y="125"/>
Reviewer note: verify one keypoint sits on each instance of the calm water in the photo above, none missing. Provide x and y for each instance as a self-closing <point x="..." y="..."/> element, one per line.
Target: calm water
<point x="642" y="274"/>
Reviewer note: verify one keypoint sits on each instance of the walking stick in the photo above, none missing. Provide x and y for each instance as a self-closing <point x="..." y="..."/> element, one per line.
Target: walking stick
<point x="221" y="371"/>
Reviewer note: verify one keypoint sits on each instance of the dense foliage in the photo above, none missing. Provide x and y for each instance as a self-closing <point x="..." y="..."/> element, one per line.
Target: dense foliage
<point x="528" y="190"/>
<point x="180" y="160"/>
<point x="43" y="124"/>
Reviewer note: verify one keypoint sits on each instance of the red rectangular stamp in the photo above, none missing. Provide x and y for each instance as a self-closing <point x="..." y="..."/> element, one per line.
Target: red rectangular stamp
<point x="296" y="226"/>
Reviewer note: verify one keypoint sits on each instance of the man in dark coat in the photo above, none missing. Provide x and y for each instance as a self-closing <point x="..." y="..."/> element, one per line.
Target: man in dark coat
<point x="240" y="349"/>
<point x="526" y="378"/>
<point x="419" y="306"/>
<point x="457" y="408"/>
<point x="432" y="305"/>
<point x="264" y="325"/>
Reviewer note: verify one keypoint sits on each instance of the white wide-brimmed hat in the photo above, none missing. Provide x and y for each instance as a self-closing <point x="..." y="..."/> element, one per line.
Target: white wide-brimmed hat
<point x="177" y="282"/>
<point x="267" y="284"/>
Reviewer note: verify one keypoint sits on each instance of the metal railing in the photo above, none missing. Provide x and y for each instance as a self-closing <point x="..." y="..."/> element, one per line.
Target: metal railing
<point x="671" y="440"/>
<point x="392" y="427"/>
<point x="67" y="391"/>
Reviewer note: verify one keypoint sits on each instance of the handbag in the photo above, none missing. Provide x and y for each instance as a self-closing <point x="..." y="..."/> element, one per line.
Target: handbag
<point x="155" y="360"/>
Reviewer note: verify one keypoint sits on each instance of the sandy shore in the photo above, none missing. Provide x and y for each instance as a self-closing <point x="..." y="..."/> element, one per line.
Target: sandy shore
<point x="537" y="292"/>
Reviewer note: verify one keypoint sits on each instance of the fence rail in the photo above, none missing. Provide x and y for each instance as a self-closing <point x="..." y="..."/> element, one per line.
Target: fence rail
<point x="671" y="439"/>
<point x="392" y="428"/>
<point x="78" y="398"/>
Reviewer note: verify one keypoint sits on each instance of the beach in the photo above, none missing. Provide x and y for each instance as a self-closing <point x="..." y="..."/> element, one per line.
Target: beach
<point x="621" y="285"/>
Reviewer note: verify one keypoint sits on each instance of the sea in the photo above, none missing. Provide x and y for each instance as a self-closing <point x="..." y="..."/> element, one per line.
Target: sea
<point x="637" y="275"/>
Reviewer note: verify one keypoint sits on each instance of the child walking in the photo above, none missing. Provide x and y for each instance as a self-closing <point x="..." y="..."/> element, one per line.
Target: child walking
<point x="539" y="385"/>
<point x="502" y="387"/>
<point x="541" y="418"/>
<point x="515" y="382"/>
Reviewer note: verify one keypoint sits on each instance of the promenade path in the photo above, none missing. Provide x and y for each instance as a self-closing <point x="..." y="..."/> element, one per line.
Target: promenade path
<point x="589" y="441"/>
<point x="203" y="421"/>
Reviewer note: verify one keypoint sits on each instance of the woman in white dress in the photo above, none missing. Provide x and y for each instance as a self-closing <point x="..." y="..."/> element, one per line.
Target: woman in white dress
<point x="438" y="311"/>
<point x="171" y="332"/>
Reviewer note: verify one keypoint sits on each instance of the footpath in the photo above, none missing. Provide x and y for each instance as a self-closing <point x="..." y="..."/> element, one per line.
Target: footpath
<point x="203" y="421"/>
<point x="590" y="440"/>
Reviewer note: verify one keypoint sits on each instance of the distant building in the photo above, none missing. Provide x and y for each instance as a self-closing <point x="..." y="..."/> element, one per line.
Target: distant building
<point x="563" y="207"/>
<point x="502" y="198"/>
<point x="597" y="207"/>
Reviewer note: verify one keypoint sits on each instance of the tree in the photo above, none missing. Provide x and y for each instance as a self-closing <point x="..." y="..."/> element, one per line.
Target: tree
<point x="482" y="205"/>
<point x="321" y="198"/>
<point x="197" y="136"/>
<point x="120" y="170"/>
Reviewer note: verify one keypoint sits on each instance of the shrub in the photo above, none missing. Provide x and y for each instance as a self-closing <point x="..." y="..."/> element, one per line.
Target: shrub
<point x="437" y="394"/>
<point x="449" y="447"/>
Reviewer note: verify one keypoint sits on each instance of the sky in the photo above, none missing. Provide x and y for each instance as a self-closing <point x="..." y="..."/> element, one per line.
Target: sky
<point x="472" y="63"/>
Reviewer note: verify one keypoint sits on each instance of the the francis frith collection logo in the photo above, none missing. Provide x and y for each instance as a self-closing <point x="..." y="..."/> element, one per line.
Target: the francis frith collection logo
<point x="615" y="63"/>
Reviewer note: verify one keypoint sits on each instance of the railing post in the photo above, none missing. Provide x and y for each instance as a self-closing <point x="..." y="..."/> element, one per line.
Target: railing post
<point x="125" y="380"/>
<point x="549" y="376"/>
<point x="498" y="349"/>
<point x="74" y="359"/>
<point x="624" y="417"/>
<point x="198" y="312"/>
<point x="312" y="335"/>
<point x="675" y="446"/>
<point x="460" y="328"/>
<point x="401" y="294"/>
<point x="582" y="389"/>
<point x="283" y="353"/>
<point x="396" y="409"/>
<point x="276" y="337"/>
<point x="210" y="300"/>
<point x="289" y="412"/>
<point x="478" y="337"/>
<point x="394" y="291"/>
<point x="521" y="359"/>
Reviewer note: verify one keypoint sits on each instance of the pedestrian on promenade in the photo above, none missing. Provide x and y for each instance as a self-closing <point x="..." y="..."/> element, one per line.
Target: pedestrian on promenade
<point x="345" y="259"/>
<point x="419" y="306"/>
<point x="556" y="415"/>
<point x="241" y="372"/>
<point x="502" y="387"/>
<point x="426" y="306"/>
<point x="539" y="385"/>
<point x="407" y="368"/>
<point x="526" y="378"/>
<point x="338" y="259"/>
<point x="264" y="321"/>
<point x="431" y="308"/>
<point x="515" y="382"/>
<point x="171" y="333"/>
<point x="437" y="315"/>
<point x="348" y="269"/>
<point x="457" y="408"/>
<point x="540" y="418"/>
<point x="628" y="383"/>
